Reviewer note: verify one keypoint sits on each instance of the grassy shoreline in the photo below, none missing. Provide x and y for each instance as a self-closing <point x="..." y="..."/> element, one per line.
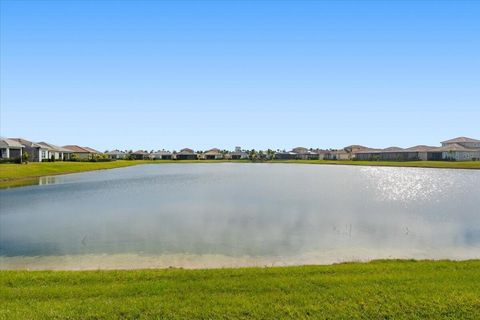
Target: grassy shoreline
<point x="400" y="289"/>
<point x="15" y="175"/>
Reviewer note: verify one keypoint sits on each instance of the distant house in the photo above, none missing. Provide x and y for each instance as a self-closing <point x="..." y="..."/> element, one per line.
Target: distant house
<point x="186" y="154"/>
<point x="10" y="149"/>
<point x="333" y="154"/>
<point x="116" y="154"/>
<point x="460" y="149"/>
<point x="285" y="155"/>
<point x="238" y="154"/>
<point x="420" y="152"/>
<point x="353" y="149"/>
<point x="36" y="152"/>
<point x="305" y="154"/>
<point x="213" y="154"/>
<point x="366" y="154"/>
<point x="58" y="153"/>
<point x="463" y="141"/>
<point x="140" y="155"/>
<point x="82" y="153"/>
<point x="322" y="154"/>
<point x="458" y="152"/>
<point x="93" y="151"/>
<point x="340" y="155"/>
<point x="161" y="155"/>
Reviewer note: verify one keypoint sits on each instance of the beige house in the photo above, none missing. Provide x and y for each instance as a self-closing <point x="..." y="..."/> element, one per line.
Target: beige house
<point x="82" y="153"/>
<point x="213" y="154"/>
<point x="463" y="141"/>
<point x="140" y="155"/>
<point x="116" y="154"/>
<point x="161" y="155"/>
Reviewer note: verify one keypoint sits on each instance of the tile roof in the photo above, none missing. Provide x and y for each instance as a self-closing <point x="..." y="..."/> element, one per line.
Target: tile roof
<point x="213" y="151"/>
<point x="53" y="147"/>
<point x="455" y="147"/>
<point x="460" y="139"/>
<point x="76" y="149"/>
<point x="92" y="150"/>
<point x="186" y="151"/>
<point x="422" y="148"/>
<point x="393" y="149"/>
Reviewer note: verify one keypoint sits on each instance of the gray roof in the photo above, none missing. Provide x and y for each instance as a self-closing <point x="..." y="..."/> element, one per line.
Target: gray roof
<point x="300" y="150"/>
<point x="116" y="152"/>
<point x="162" y="153"/>
<point x="10" y="143"/>
<point x="238" y="153"/>
<point x="27" y="143"/>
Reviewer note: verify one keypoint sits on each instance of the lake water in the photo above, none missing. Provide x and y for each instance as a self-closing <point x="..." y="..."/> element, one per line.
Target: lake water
<point x="231" y="214"/>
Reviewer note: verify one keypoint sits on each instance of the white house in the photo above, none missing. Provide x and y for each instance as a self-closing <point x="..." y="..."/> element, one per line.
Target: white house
<point x="213" y="154"/>
<point x="116" y="154"/>
<point x="58" y="153"/>
<point x="460" y="149"/>
<point x="10" y="149"/>
<point x="161" y="155"/>
<point x="458" y="152"/>
<point x="238" y="154"/>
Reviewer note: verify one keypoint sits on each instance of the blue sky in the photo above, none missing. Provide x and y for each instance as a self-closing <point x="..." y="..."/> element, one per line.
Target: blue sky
<point x="158" y="74"/>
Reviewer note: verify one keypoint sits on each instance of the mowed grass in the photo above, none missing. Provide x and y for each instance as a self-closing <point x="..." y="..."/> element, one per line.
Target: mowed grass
<point x="20" y="174"/>
<point x="390" y="289"/>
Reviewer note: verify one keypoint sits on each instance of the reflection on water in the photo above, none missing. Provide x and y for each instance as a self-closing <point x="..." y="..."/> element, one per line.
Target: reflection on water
<point x="243" y="214"/>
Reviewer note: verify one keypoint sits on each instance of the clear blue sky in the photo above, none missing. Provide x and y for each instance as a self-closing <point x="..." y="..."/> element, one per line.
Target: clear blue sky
<point x="279" y="74"/>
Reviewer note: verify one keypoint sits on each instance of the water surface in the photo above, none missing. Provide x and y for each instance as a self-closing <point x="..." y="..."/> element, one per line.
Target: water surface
<point x="232" y="214"/>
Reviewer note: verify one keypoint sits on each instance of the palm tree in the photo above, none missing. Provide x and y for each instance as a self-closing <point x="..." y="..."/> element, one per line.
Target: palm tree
<point x="270" y="153"/>
<point x="252" y="155"/>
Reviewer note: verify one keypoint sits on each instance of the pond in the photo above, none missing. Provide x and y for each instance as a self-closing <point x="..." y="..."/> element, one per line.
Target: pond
<point x="233" y="214"/>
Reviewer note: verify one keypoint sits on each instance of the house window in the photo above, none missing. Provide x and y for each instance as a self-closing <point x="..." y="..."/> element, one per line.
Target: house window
<point x="43" y="155"/>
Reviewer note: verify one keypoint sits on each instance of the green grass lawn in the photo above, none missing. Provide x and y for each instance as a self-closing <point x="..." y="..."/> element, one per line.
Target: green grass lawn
<point x="376" y="290"/>
<point x="13" y="175"/>
<point x="24" y="174"/>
